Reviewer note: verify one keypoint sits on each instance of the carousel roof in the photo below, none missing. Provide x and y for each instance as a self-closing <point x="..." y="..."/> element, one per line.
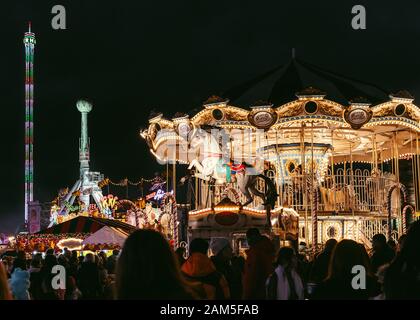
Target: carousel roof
<point x="82" y="224"/>
<point x="280" y="85"/>
<point x="335" y="111"/>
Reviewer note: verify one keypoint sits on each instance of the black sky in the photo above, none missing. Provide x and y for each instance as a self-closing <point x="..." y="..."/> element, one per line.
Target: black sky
<point x="129" y="57"/>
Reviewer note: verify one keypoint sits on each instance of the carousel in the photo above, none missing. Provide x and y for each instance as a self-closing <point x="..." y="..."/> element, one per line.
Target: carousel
<point x="318" y="156"/>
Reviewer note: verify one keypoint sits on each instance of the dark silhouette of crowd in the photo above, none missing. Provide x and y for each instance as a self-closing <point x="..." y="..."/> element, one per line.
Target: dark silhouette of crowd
<point x="148" y="268"/>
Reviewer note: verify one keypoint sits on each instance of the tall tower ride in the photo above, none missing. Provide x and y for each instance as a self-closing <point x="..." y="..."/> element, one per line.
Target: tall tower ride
<point x="29" y="42"/>
<point x="88" y="183"/>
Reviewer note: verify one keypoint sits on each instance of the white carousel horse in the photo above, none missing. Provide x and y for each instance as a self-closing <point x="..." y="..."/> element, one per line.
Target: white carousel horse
<point x="211" y="153"/>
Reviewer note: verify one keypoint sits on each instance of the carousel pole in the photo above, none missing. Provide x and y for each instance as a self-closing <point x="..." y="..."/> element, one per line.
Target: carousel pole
<point x="332" y="169"/>
<point x="280" y="193"/>
<point x="196" y="192"/>
<point x="314" y="197"/>
<point x="167" y="175"/>
<point x="413" y="170"/>
<point x="375" y="167"/>
<point x="303" y="174"/>
<point x="418" y="165"/>
<point x="352" y="180"/>
<point x="174" y="178"/>
<point x="397" y="170"/>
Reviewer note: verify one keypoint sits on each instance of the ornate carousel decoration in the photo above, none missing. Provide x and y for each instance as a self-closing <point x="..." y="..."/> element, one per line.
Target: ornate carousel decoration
<point x="321" y="151"/>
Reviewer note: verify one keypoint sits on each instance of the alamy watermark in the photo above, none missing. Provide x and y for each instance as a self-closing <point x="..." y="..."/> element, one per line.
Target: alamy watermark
<point x="358" y="282"/>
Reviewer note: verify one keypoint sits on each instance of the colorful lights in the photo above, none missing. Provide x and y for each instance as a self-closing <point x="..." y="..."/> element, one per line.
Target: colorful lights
<point x="29" y="42"/>
<point x="70" y="243"/>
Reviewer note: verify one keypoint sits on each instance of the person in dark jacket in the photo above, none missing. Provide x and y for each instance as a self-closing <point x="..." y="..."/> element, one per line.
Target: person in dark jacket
<point x="258" y="266"/>
<point x="201" y="274"/>
<point x="35" y="277"/>
<point x="147" y="269"/>
<point x="48" y="292"/>
<point x="402" y="277"/>
<point x="111" y="262"/>
<point x="319" y="270"/>
<point x="222" y="260"/>
<point x="382" y="253"/>
<point x="341" y="283"/>
<point x="89" y="281"/>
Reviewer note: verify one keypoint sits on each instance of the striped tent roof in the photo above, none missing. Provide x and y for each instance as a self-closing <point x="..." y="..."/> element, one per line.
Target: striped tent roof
<point x="280" y="85"/>
<point x="82" y="224"/>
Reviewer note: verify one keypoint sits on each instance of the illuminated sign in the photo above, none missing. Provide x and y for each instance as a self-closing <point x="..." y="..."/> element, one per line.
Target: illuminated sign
<point x="157" y="195"/>
<point x="262" y="117"/>
<point x="109" y="204"/>
<point x="356" y="117"/>
<point x="70" y="243"/>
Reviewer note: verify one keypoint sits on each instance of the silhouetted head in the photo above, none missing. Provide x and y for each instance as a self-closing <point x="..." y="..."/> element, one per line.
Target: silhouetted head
<point x="199" y="245"/>
<point x="286" y="257"/>
<point x="378" y="242"/>
<point x="89" y="258"/>
<point x="19" y="263"/>
<point x="147" y="268"/>
<point x="346" y="255"/>
<point x="391" y="243"/>
<point x="49" y="262"/>
<point x="253" y="235"/>
<point x="221" y="247"/>
<point x="410" y="251"/>
<point x="36" y="261"/>
<point x="330" y="245"/>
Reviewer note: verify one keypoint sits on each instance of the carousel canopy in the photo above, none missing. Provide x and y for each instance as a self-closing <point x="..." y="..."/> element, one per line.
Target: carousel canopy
<point x="107" y="235"/>
<point x="289" y="111"/>
<point x="279" y="85"/>
<point x="82" y="224"/>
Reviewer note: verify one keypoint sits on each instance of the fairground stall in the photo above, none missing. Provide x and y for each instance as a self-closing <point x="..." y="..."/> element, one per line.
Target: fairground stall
<point x="339" y="157"/>
<point x="80" y="233"/>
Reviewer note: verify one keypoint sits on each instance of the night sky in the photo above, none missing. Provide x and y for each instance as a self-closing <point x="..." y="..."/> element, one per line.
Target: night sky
<point x="129" y="57"/>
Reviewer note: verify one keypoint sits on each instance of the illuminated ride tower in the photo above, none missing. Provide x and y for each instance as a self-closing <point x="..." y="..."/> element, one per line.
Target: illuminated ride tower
<point x="29" y="42"/>
<point x="87" y="185"/>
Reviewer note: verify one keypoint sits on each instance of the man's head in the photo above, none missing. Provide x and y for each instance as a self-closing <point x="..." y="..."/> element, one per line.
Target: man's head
<point x="253" y="235"/>
<point x="199" y="245"/>
<point x="221" y="247"/>
<point x="286" y="257"/>
<point x="90" y="258"/>
<point x="378" y="241"/>
<point x="330" y="244"/>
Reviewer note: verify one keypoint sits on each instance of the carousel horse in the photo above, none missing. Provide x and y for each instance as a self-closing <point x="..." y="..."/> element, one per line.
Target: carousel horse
<point x="246" y="179"/>
<point x="270" y="194"/>
<point x="212" y="156"/>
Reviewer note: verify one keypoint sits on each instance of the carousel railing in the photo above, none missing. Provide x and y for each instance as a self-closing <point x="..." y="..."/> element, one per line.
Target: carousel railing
<point x="348" y="190"/>
<point x="369" y="227"/>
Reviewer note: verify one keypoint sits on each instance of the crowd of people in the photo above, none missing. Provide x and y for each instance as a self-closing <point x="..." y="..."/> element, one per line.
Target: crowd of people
<point x="148" y="268"/>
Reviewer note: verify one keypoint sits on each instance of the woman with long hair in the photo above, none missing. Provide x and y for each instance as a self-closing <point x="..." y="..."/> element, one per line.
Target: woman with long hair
<point x="349" y="274"/>
<point x="5" y="293"/>
<point x="147" y="269"/>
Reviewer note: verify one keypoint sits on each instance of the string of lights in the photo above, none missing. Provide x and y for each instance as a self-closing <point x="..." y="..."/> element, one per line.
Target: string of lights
<point x="125" y="182"/>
